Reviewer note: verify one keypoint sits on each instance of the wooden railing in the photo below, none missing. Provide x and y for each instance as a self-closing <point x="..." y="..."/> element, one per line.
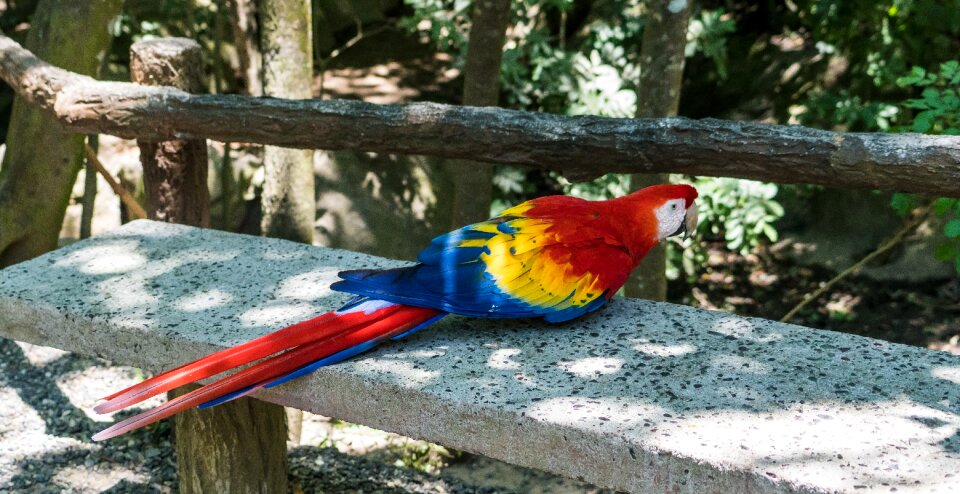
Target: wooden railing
<point x="580" y="147"/>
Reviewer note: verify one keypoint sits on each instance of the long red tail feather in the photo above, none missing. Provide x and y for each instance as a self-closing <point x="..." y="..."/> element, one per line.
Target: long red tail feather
<point x="398" y="321"/>
<point x="321" y="326"/>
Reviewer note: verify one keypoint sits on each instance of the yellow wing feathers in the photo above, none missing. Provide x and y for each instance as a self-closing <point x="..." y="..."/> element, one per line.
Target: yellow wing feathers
<point x="517" y="258"/>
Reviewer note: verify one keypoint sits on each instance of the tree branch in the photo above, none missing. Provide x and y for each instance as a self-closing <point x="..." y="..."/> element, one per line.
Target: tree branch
<point x="580" y="147"/>
<point x="134" y="209"/>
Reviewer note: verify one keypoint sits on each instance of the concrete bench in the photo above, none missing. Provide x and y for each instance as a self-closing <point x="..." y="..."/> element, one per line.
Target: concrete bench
<point x="642" y="397"/>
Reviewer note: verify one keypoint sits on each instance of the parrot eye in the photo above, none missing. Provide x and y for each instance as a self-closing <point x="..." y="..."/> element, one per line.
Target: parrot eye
<point x="673" y="206"/>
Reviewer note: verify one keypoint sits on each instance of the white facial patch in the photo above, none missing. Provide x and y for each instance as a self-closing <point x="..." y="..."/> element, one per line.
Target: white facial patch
<point x="669" y="217"/>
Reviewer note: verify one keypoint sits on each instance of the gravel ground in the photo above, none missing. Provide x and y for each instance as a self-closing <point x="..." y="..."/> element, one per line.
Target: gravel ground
<point x="47" y="419"/>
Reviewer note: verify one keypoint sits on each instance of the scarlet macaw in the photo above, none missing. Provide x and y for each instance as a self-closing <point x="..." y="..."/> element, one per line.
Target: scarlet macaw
<point x="554" y="257"/>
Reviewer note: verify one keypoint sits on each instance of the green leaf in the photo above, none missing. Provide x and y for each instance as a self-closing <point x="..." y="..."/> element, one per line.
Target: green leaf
<point x="943" y="204"/>
<point x="775" y="208"/>
<point x="946" y="251"/>
<point x="923" y="122"/>
<point x="916" y="74"/>
<point x="950" y="69"/>
<point x="931" y="95"/>
<point x="770" y="232"/>
<point x="952" y="228"/>
<point x="903" y="203"/>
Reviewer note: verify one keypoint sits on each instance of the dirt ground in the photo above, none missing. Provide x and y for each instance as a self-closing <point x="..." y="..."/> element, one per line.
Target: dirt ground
<point x="769" y="283"/>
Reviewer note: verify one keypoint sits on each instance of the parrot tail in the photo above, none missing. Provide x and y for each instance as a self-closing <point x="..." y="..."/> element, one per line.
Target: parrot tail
<point x="326" y="339"/>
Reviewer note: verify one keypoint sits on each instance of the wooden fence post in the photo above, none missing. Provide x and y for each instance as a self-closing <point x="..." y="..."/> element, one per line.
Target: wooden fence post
<point x="239" y="446"/>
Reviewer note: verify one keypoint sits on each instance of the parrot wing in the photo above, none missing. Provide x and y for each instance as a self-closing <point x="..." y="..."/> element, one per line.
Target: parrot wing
<point x="511" y="266"/>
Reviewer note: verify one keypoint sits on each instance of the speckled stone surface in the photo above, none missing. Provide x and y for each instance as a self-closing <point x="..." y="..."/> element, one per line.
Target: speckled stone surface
<point x="642" y="396"/>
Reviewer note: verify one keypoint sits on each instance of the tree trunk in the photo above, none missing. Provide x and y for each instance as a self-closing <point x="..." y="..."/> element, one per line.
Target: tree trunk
<point x="472" y="181"/>
<point x="289" y="205"/>
<point x="247" y="40"/>
<point x="174" y="171"/>
<point x="239" y="446"/>
<point x="658" y="95"/>
<point x="42" y="159"/>
<point x="289" y="199"/>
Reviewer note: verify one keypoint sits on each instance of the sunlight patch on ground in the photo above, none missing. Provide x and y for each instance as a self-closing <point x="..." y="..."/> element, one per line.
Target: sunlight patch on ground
<point x="81" y="479"/>
<point x="86" y="387"/>
<point x="40" y="355"/>
<point x="23" y="436"/>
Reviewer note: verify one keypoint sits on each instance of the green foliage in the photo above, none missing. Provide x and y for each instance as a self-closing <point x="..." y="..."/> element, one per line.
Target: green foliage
<point x="836" y="64"/>
<point x="590" y="68"/>
<point x="708" y="34"/>
<point x="204" y="21"/>
<point x="606" y="187"/>
<point x="939" y="102"/>
<point x="937" y="112"/>
<point x="741" y="212"/>
<point x="444" y="21"/>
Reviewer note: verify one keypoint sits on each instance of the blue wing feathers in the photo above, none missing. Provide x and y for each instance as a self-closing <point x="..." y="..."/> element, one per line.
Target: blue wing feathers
<point x="453" y="278"/>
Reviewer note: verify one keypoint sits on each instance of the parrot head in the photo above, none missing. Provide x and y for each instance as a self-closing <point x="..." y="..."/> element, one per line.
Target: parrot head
<point x="677" y="214"/>
<point x="652" y="214"/>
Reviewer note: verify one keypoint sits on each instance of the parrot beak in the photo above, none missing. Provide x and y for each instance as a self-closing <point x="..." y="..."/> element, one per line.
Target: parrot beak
<point x="690" y="221"/>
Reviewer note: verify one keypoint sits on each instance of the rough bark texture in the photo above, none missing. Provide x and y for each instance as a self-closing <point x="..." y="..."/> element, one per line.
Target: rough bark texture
<point x="289" y="205"/>
<point x="239" y="446"/>
<point x="42" y="159"/>
<point x="472" y="181"/>
<point x="174" y="171"/>
<point x="658" y="95"/>
<point x="232" y="447"/>
<point x="581" y="147"/>
<point x="247" y="40"/>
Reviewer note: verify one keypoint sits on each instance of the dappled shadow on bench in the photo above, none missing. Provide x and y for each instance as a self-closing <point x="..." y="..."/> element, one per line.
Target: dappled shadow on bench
<point x="782" y="402"/>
